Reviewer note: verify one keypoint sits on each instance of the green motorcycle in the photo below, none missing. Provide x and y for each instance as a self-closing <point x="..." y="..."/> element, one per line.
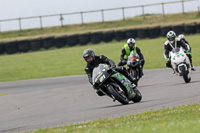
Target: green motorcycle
<point x="114" y="84"/>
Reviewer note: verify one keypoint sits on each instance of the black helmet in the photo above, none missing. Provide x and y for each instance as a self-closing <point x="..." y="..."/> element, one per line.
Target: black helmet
<point x="89" y="55"/>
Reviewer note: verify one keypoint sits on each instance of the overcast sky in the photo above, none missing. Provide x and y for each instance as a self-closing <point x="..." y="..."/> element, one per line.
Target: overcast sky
<point x="25" y="8"/>
<point x="10" y="9"/>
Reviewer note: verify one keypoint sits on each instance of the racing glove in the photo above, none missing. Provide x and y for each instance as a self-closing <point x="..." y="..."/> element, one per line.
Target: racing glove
<point x="124" y="61"/>
<point x="188" y="51"/>
<point x="168" y="59"/>
<point x="113" y="66"/>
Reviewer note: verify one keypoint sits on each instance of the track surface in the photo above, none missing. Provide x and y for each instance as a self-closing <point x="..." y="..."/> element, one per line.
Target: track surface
<point x="40" y="103"/>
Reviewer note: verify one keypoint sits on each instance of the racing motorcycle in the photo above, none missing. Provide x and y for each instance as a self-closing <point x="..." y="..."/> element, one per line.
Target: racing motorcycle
<point x="114" y="84"/>
<point x="181" y="63"/>
<point x="134" y="66"/>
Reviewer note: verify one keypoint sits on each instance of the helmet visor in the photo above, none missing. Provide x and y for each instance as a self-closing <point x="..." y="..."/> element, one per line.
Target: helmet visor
<point x="131" y="44"/>
<point x="171" y="38"/>
<point x="90" y="58"/>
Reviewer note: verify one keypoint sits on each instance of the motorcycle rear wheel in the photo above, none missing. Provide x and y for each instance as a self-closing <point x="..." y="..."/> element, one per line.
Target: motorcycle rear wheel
<point x="138" y="96"/>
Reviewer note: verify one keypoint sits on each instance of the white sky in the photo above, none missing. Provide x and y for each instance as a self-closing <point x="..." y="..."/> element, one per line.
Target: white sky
<point x="25" y="8"/>
<point x="11" y="9"/>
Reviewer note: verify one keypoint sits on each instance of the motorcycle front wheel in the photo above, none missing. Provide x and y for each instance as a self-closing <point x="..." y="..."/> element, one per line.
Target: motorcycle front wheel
<point x="185" y="74"/>
<point x="135" y="75"/>
<point x="118" y="94"/>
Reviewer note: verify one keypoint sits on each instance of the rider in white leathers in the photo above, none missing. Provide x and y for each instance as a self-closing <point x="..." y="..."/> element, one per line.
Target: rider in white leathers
<point x="171" y="42"/>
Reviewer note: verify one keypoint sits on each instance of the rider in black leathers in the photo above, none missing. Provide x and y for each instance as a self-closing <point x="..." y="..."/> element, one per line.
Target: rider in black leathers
<point x="94" y="60"/>
<point x="181" y="37"/>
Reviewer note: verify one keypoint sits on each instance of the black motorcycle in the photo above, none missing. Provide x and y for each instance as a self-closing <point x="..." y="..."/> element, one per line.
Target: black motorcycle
<point x="134" y="66"/>
<point x="114" y="84"/>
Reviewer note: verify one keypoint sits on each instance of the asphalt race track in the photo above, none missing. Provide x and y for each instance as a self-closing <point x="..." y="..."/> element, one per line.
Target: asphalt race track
<point x="50" y="102"/>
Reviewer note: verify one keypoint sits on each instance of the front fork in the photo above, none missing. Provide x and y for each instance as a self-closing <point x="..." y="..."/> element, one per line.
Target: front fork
<point x="138" y="70"/>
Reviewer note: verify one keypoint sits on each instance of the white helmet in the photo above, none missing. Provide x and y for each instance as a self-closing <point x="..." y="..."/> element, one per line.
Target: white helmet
<point x="181" y="36"/>
<point x="171" y="35"/>
<point x="131" y="42"/>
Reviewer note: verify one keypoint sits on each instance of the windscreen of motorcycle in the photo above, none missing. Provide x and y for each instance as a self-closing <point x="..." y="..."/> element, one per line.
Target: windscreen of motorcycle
<point x="176" y="50"/>
<point x="98" y="72"/>
<point x="133" y="57"/>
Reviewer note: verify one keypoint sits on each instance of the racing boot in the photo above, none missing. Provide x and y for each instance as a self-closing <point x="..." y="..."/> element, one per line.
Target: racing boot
<point x="193" y="68"/>
<point x="190" y="58"/>
<point x="99" y="93"/>
<point x="133" y="80"/>
<point x="174" y="72"/>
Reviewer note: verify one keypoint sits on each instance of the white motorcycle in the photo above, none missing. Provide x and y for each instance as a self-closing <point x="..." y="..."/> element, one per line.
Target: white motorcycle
<point x="181" y="63"/>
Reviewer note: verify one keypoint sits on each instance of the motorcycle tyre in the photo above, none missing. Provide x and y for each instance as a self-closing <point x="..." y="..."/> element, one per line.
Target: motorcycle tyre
<point x="117" y="96"/>
<point x="134" y="75"/>
<point x="138" y="96"/>
<point x="185" y="74"/>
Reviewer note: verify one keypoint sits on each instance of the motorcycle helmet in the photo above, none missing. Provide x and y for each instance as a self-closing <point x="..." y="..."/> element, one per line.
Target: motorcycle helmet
<point x="131" y="43"/>
<point x="181" y="36"/>
<point x="89" y="55"/>
<point x="171" y="35"/>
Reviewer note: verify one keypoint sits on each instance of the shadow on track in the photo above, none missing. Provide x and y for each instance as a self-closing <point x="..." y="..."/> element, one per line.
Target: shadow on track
<point x="119" y="105"/>
<point x="160" y="85"/>
<point x="195" y="81"/>
<point x="163" y="85"/>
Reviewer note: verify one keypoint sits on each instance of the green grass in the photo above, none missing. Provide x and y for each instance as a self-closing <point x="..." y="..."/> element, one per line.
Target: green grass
<point x="136" y="22"/>
<point x="69" y="61"/>
<point x="184" y="119"/>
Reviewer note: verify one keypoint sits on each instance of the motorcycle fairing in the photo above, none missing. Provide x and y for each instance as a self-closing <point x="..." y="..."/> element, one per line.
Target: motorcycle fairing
<point x="126" y="83"/>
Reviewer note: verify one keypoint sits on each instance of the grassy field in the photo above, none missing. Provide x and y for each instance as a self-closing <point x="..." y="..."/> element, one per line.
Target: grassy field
<point x="136" y="22"/>
<point x="184" y="119"/>
<point x="69" y="61"/>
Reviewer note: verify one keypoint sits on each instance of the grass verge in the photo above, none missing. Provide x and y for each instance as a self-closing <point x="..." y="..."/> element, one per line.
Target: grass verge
<point x="69" y="61"/>
<point x="184" y="119"/>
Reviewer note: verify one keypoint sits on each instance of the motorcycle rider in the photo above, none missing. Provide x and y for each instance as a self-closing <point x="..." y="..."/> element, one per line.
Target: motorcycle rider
<point x="189" y="53"/>
<point x="94" y="60"/>
<point x="182" y="37"/>
<point x="170" y="44"/>
<point x="126" y="50"/>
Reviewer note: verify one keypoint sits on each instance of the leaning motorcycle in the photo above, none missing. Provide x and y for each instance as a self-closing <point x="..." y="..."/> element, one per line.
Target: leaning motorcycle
<point x="181" y="63"/>
<point x="114" y="84"/>
<point x="134" y="66"/>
